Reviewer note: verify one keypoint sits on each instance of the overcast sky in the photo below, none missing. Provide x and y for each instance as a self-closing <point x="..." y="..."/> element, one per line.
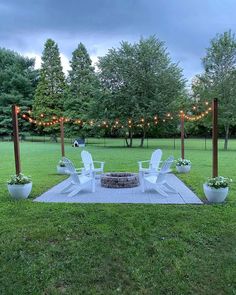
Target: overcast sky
<point x="186" y="26"/>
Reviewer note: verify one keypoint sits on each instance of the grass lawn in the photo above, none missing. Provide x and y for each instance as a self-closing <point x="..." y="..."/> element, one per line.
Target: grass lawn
<point x="116" y="249"/>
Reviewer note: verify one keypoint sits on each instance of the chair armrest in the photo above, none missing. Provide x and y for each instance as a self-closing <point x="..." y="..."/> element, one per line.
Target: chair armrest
<point x="101" y="163"/>
<point x="79" y="170"/>
<point x="141" y="162"/>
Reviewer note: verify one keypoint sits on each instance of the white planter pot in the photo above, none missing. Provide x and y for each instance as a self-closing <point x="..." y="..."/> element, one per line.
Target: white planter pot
<point x="215" y="195"/>
<point x="183" y="168"/>
<point x="20" y="191"/>
<point x="61" y="170"/>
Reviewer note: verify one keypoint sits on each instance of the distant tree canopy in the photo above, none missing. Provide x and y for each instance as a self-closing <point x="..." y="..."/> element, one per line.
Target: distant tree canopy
<point x="139" y="81"/>
<point x="133" y="84"/>
<point x="17" y="85"/>
<point x="219" y="78"/>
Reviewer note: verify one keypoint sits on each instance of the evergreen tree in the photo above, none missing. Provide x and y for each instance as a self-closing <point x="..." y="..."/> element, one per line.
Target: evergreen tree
<point x="82" y="87"/>
<point x="49" y="95"/>
<point x="17" y="85"/>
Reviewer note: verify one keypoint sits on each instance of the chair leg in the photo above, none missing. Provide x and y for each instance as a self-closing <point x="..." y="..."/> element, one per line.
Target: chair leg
<point x="74" y="192"/>
<point x="93" y="185"/>
<point x="160" y="191"/>
<point x="142" y="188"/>
<point x="141" y="176"/>
<point x="67" y="189"/>
<point x="170" y="188"/>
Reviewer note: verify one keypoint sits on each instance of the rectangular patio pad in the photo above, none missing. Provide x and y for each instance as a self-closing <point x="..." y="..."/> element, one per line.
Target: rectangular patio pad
<point x="123" y="195"/>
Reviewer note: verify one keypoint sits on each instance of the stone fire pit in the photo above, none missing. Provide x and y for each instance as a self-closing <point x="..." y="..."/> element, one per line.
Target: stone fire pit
<point x="119" y="180"/>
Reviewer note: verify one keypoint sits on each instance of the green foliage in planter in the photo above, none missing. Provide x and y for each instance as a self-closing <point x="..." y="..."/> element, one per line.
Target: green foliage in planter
<point x="19" y="179"/>
<point x="62" y="163"/>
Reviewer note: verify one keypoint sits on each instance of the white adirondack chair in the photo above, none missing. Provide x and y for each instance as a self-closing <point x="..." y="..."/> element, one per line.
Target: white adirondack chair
<point x="88" y="162"/>
<point x="158" y="181"/>
<point x="153" y="164"/>
<point x="77" y="182"/>
<point x="70" y="166"/>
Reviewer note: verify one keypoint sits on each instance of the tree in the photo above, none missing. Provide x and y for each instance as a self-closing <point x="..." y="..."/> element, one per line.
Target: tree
<point x="49" y="95"/>
<point x="219" y="79"/>
<point x="83" y="87"/>
<point x="18" y="80"/>
<point x="140" y="81"/>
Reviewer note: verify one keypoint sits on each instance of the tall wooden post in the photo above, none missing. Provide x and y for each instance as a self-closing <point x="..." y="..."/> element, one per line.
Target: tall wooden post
<point x="62" y="137"/>
<point x="215" y="137"/>
<point x="182" y="134"/>
<point x="16" y="139"/>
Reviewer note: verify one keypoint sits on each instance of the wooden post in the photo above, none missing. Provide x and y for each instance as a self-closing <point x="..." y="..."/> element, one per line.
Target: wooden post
<point x="62" y="137"/>
<point x="16" y="139"/>
<point x="182" y="135"/>
<point x="215" y="137"/>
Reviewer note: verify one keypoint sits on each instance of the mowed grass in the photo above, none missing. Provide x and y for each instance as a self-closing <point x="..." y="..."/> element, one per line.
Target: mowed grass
<point x="116" y="249"/>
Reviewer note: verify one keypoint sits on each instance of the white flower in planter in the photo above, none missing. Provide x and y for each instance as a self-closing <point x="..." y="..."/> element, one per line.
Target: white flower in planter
<point x="183" y="165"/>
<point x="19" y="186"/>
<point x="216" y="189"/>
<point x="61" y="167"/>
<point x="19" y="179"/>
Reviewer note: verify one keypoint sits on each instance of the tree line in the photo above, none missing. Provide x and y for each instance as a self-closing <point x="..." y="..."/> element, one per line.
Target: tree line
<point x="132" y="81"/>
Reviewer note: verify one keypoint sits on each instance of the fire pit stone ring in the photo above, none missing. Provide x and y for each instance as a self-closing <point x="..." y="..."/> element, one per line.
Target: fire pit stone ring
<point x="119" y="180"/>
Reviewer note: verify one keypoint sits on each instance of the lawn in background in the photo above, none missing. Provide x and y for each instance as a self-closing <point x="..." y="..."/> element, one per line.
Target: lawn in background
<point x="116" y="249"/>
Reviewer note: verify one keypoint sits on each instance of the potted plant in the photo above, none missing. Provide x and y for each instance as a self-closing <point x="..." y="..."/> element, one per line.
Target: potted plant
<point x="19" y="186"/>
<point x="183" y="165"/>
<point x="61" y="167"/>
<point x="216" y="189"/>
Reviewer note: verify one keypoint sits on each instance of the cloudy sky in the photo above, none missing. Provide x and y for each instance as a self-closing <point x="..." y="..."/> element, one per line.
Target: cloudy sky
<point x="186" y="26"/>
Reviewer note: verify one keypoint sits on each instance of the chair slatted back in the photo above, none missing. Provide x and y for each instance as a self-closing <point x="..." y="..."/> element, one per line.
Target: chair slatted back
<point x="71" y="168"/>
<point x="165" y="168"/>
<point x="155" y="159"/>
<point x="87" y="160"/>
<point x="69" y="165"/>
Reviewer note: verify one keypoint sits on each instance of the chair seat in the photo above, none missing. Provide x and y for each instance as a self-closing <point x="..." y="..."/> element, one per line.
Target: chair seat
<point x="147" y="170"/>
<point x="151" y="178"/>
<point x="84" y="179"/>
<point x="98" y="169"/>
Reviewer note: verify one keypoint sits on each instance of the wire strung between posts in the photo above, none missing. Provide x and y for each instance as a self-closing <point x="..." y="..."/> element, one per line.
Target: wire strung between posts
<point x="115" y="124"/>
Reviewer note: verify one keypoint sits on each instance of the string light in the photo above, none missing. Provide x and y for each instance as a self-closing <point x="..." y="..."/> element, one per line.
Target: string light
<point x="199" y="116"/>
<point x="115" y="124"/>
